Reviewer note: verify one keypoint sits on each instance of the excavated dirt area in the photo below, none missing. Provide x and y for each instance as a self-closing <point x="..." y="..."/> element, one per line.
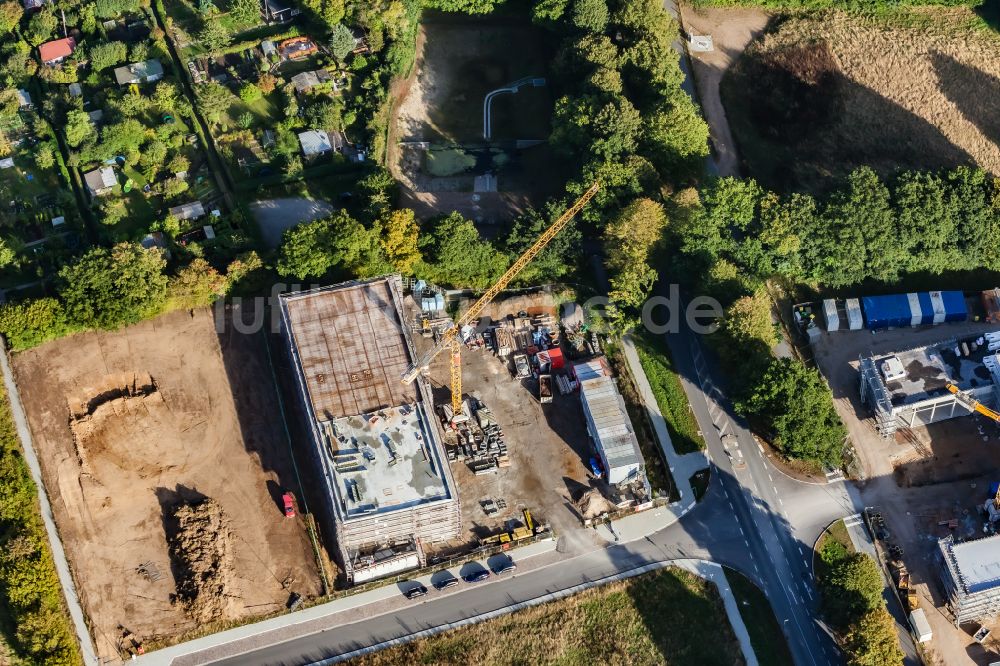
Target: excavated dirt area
<point x="133" y="426"/>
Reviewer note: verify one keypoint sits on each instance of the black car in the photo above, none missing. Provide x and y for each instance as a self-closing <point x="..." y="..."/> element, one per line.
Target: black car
<point x="415" y="592"/>
<point x="445" y="583"/>
<point x="503" y="566"/>
<point x="476" y="576"/>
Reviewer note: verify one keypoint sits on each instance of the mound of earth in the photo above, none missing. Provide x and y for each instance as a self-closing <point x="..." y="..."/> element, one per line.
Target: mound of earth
<point x="202" y="551"/>
<point x="592" y="504"/>
<point x="822" y="94"/>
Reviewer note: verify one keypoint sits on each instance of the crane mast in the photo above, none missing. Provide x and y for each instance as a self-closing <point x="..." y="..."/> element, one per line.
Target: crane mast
<point x="449" y="338"/>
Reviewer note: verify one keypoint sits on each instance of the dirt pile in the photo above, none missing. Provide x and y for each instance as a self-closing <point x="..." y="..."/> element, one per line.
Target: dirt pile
<point x="202" y="551"/>
<point x="118" y="395"/>
<point x="592" y="504"/>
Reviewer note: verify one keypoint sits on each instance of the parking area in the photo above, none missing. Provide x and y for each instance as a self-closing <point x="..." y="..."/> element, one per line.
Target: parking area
<point x="928" y="482"/>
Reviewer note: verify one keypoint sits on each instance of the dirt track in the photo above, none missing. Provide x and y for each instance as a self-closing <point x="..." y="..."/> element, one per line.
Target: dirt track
<point x="128" y="424"/>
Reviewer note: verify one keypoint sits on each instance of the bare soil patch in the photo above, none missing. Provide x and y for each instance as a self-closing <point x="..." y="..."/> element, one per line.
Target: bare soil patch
<point x="133" y="426"/>
<point x="821" y="94"/>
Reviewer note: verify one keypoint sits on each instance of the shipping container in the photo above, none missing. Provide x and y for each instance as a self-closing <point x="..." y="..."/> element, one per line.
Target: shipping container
<point x="830" y="314"/>
<point x="855" y="322"/>
<point x="921" y="627"/>
<point x="937" y="305"/>
<point x="921" y="309"/>
<point x="955" y="308"/>
<point x="915" y="315"/>
<point x="886" y="311"/>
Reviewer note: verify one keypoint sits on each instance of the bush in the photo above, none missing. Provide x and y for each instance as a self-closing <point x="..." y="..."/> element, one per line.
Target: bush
<point x="33" y="322"/>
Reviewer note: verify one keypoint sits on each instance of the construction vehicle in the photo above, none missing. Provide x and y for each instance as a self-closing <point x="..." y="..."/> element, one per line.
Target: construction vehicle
<point x="516" y="534"/>
<point x="973" y="404"/>
<point x="906" y="592"/>
<point x="544" y="388"/>
<point x="449" y="338"/>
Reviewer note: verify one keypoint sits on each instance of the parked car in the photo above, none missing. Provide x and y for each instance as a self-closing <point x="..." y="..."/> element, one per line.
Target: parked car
<point x="445" y="583"/>
<point x="289" y="502"/>
<point x="476" y="576"/>
<point x="505" y="565"/>
<point x="415" y="592"/>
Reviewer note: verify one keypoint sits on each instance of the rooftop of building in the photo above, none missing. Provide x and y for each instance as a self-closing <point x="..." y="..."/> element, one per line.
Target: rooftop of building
<point x="928" y="370"/>
<point x="607" y="408"/>
<point x="351" y="347"/>
<point x="379" y="461"/>
<point x="976" y="562"/>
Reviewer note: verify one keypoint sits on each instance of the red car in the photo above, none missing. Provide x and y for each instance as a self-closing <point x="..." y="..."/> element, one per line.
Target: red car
<point x="289" y="505"/>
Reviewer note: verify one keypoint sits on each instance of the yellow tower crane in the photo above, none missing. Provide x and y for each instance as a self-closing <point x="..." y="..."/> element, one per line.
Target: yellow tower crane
<point x="449" y="339"/>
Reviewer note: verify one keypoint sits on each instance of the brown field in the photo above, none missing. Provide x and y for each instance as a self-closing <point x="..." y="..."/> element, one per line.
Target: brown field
<point x="131" y="424"/>
<point x="818" y="95"/>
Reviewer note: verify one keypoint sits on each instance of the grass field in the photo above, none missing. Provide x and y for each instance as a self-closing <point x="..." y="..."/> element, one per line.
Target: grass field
<point x="667" y="617"/>
<point x="769" y="644"/>
<point x="670" y="396"/>
<point x="822" y="93"/>
<point x="834" y="544"/>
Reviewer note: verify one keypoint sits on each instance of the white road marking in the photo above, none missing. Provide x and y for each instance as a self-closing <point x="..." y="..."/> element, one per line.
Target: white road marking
<point x="801" y="551"/>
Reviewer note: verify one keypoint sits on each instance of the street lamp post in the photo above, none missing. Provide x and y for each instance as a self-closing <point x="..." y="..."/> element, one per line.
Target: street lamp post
<point x="512" y="88"/>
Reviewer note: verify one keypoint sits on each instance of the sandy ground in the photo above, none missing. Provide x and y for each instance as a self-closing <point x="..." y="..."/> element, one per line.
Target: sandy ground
<point x="934" y="474"/>
<point x="548" y="444"/>
<point x="731" y="30"/>
<point x="205" y="426"/>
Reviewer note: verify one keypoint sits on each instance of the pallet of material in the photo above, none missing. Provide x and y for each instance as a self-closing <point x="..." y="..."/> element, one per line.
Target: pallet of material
<point x="503" y="461"/>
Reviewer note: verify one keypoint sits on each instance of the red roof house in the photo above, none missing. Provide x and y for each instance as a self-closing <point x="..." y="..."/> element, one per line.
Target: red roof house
<point x="54" y="52"/>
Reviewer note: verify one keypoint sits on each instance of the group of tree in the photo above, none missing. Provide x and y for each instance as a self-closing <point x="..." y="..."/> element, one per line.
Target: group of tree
<point x="108" y="288"/>
<point x="866" y="228"/>
<point x="851" y="588"/>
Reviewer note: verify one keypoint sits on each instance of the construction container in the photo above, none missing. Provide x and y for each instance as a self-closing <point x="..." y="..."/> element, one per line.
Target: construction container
<point x="921" y="309"/>
<point x="937" y="304"/>
<point x="855" y="322"/>
<point x="553" y="358"/>
<point x="955" y="308"/>
<point x="921" y="627"/>
<point x="830" y="315"/>
<point x="883" y="312"/>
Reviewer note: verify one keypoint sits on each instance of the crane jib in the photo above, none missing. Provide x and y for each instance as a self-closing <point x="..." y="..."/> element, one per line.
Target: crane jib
<point x="448" y="337"/>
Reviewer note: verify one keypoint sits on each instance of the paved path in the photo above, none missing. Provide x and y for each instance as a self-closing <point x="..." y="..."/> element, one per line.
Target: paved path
<point x="274" y="216"/>
<point x="58" y="554"/>
<point x="717" y="575"/>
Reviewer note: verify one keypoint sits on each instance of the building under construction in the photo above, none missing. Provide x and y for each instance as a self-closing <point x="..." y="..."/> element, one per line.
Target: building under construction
<point x="971" y="576"/>
<point x="910" y="388"/>
<point x="388" y="483"/>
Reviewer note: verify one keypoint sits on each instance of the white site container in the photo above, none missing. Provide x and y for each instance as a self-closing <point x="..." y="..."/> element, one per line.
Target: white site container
<point x="916" y="317"/>
<point x="830" y="314"/>
<point x="855" y="322"/>
<point x="921" y="627"/>
<point x="937" y="303"/>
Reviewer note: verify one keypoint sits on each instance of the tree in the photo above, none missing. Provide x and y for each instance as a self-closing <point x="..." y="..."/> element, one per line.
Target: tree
<point x="590" y="15"/>
<point x="341" y="42"/>
<point x="456" y="255"/>
<point x="748" y="321"/>
<point x="121" y="138"/>
<point x="465" y="6"/>
<point x="676" y="137"/>
<point x="214" y="100"/>
<point x="111" y="288"/>
<point x="245" y="12"/>
<point x="872" y="641"/>
<point x="78" y="128"/>
<point x="107" y="54"/>
<point x="853" y="587"/>
<point x="108" y="9"/>
<point x="31" y="322"/>
<point x="241" y="267"/>
<point x="306" y="250"/>
<point x="214" y="36"/>
<point x="796" y="407"/>
<point x="559" y="256"/>
<point x="10" y="16"/>
<point x="250" y="93"/>
<point x="399" y="240"/>
<point x="196" y="284"/>
<point x="44" y="156"/>
<point x="41" y="26"/>
<point x="267" y="83"/>
<point x="313" y="248"/>
<point x="628" y="239"/>
<point x="325" y="115"/>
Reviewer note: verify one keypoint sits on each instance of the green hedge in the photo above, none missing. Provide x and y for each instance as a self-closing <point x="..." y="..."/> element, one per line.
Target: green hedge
<point x="849" y="5"/>
<point x="670" y="396"/>
<point x="37" y="626"/>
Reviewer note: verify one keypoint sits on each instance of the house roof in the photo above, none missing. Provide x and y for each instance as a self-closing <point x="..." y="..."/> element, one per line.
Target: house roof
<point x="6" y="163"/>
<point x="304" y="81"/>
<point x="138" y="71"/>
<point x="98" y="179"/>
<point x="59" y="48"/>
<point x="268" y="47"/>
<point x="33" y="4"/>
<point x="315" y="142"/>
<point x="75" y="89"/>
<point x="188" y="211"/>
<point x="23" y="98"/>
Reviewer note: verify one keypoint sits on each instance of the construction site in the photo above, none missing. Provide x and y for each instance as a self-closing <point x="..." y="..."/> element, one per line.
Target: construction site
<point x="165" y="462"/>
<point x="918" y="397"/>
